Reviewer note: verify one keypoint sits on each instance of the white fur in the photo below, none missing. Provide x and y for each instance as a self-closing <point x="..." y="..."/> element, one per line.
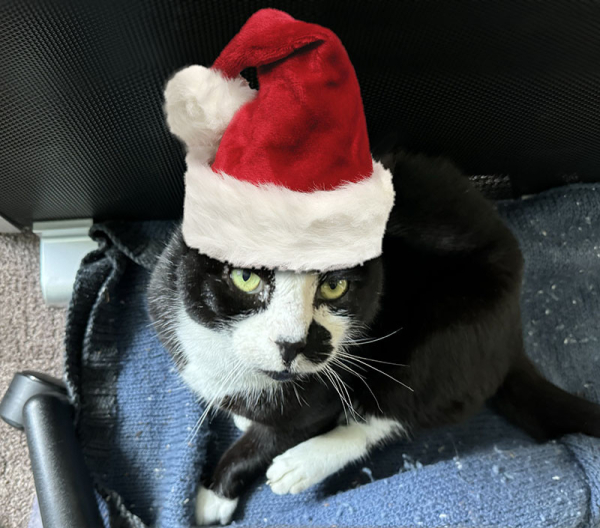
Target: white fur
<point x="200" y="103"/>
<point x="287" y="318"/>
<point x="212" y="369"/>
<point x="211" y="508"/>
<point x="269" y="226"/>
<point x="221" y="362"/>
<point x="315" y="459"/>
<point x="241" y="422"/>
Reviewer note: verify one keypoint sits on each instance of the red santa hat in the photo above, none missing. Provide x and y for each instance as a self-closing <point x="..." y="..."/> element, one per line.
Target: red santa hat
<point x="281" y="177"/>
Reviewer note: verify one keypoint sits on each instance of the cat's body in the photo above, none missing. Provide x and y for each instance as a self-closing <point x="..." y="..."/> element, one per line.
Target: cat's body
<point x="317" y="395"/>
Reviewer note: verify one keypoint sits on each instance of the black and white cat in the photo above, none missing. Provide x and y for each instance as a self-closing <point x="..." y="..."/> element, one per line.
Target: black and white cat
<point x="319" y="368"/>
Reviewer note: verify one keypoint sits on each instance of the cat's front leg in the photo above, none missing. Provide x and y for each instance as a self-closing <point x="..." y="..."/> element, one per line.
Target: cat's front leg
<point x="244" y="461"/>
<point x="313" y="460"/>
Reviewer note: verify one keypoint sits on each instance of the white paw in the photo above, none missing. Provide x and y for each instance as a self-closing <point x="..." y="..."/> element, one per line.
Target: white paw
<point x="297" y="469"/>
<point x="212" y="509"/>
<point x="316" y="459"/>
<point x="241" y="422"/>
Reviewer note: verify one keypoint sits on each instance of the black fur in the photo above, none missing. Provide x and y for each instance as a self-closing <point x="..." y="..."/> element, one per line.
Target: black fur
<point x="247" y="458"/>
<point x="450" y="306"/>
<point x="208" y="292"/>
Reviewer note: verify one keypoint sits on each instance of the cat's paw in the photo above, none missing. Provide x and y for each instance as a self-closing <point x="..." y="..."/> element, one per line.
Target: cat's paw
<point x="212" y="509"/>
<point x="316" y="459"/>
<point x="298" y="469"/>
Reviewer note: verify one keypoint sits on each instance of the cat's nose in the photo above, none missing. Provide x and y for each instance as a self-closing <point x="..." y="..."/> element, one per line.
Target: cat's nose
<point x="289" y="351"/>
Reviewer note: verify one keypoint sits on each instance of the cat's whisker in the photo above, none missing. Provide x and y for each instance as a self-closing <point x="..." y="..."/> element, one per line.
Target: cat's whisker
<point x="354" y="358"/>
<point x="233" y="376"/>
<point x="193" y="432"/>
<point x="382" y="337"/>
<point x="177" y="389"/>
<point x="200" y="421"/>
<point x="385" y="362"/>
<point x="335" y="387"/>
<point x="342" y="390"/>
<point x="341" y="364"/>
<point x="327" y="372"/>
<point x="337" y="361"/>
<point x="368" y="340"/>
<point x="198" y="426"/>
<point x="354" y="413"/>
<point x="320" y="378"/>
<point x="295" y="386"/>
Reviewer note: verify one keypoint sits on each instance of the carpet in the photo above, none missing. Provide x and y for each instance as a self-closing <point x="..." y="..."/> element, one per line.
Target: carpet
<point x="31" y="337"/>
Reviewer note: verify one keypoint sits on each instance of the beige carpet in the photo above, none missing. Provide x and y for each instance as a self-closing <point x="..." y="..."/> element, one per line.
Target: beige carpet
<point x="31" y="336"/>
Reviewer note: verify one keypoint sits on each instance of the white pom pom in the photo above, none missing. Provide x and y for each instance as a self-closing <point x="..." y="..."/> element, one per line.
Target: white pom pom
<point x="200" y="103"/>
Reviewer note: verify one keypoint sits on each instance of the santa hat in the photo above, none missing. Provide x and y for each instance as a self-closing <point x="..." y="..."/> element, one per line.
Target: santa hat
<point x="281" y="177"/>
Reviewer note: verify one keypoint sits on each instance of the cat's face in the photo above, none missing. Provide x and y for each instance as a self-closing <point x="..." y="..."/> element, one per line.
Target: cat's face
<point x="260" y="327"/>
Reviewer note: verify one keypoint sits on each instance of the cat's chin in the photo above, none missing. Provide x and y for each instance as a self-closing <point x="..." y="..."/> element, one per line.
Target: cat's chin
<point x="282" y="375"/>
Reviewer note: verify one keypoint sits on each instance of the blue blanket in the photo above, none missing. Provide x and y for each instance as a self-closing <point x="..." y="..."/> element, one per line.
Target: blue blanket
<point x="137" y="420"/>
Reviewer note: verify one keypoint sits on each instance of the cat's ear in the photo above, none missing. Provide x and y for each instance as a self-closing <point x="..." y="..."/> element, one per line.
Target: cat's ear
<point x="199" y="104"/>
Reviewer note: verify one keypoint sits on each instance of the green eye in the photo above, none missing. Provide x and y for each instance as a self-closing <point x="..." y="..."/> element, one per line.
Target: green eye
<point x="246" y="280"/>
<point x="332" y="290"/>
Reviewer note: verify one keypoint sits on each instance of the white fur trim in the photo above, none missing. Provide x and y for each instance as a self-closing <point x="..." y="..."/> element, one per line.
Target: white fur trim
<point x="200" y="103"/>
<point x="269" y="226"/>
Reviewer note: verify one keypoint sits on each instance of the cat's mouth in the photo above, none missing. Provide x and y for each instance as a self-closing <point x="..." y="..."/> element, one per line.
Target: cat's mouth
<point x="282" y="375"/>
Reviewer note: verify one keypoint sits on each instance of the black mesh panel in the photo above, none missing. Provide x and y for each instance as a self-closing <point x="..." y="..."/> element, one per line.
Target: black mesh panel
<point x="508" y="89"/>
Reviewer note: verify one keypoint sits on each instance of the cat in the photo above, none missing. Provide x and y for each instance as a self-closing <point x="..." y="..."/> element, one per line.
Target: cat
<point x="317" y="369"/>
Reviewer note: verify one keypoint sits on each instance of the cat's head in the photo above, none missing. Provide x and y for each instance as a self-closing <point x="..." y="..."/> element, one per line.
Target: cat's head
<point x="254" y="324"/>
